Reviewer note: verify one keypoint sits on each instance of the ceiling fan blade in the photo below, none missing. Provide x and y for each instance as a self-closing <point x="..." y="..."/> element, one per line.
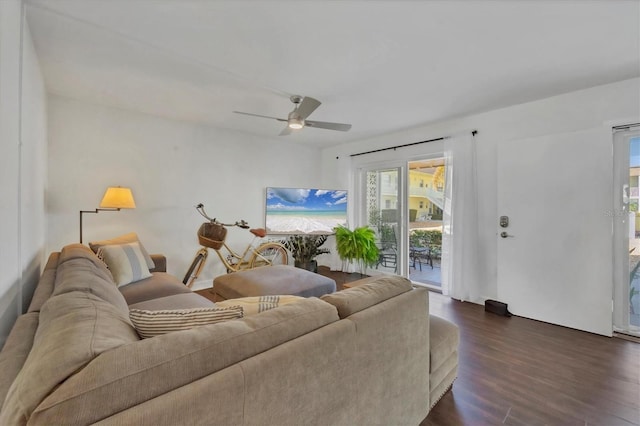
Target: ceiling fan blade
<point x="258" y="115"/>
<point x="307" y="106"/>
<point x="286" y="131"/>
<point x="326" y="125"/>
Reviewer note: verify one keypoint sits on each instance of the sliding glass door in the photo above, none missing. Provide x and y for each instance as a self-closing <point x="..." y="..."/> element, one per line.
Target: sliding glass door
<point x="426" y="203"/>
<point x="402" y="202"/>
<point x="626" y="220"/>
<point x="383" y="204"/>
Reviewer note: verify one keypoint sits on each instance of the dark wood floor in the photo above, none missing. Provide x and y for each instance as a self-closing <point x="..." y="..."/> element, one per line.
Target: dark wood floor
<point x="516" y="371"/>
<point x="340" y="277"/>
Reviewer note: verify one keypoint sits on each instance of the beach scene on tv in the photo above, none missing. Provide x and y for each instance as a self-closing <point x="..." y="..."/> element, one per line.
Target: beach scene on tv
<point x="305" y="211"/>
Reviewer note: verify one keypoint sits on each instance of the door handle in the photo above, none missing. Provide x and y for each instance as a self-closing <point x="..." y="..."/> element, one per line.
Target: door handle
<point x="504" y="234"/>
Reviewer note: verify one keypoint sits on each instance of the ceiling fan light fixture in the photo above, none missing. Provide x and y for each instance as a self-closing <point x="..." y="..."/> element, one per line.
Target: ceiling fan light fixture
<point x="296" y="123"/>
<point x="297" y="119"/>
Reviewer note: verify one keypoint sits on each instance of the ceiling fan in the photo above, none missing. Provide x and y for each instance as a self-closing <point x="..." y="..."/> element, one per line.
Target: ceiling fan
<point x="297" y="118"/>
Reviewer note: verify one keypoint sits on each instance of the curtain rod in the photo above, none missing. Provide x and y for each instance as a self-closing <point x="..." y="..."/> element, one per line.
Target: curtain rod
<point x="473" y="132"/>
<point x="625" y="127"/>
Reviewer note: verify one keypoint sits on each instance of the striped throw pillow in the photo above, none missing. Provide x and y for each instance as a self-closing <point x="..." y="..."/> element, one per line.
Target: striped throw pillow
<point x="131" y="237"/>
<point x="126" y="262"/>
<point x="155" y="323"/>
<point x="255" y="304"/>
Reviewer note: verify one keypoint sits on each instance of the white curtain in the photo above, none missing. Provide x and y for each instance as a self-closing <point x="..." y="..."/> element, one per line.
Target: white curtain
<point x="460" y="267"/>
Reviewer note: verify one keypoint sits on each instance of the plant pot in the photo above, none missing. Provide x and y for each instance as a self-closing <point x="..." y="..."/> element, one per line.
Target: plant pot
<point x="309" y="266"/>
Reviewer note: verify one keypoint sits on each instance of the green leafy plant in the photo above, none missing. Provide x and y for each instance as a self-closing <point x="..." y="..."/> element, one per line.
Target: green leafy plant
<point x="387" y="237"/>
<point x="424" y="238"/>
<point x="305" y="248"/>
<point x="357" y="246"/>
<point x="386" y="232"/>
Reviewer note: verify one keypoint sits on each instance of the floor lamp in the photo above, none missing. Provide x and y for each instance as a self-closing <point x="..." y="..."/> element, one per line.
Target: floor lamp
<point x="115" y="198"/>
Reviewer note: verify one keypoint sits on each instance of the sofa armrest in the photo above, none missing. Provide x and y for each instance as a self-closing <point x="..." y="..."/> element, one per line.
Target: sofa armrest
<point x="160" y="260"/>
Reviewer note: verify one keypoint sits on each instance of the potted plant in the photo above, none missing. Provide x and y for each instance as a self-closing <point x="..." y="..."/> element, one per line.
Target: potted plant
<point x="304" y="249"/>
<point x="358" y="245"/>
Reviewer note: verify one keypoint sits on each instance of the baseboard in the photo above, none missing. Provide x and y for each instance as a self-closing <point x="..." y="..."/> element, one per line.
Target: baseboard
<point x="625" y="336"/>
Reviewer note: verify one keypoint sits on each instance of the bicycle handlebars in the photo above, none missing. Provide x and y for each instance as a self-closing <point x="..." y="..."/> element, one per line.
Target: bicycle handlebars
<point x="239" y="223"/>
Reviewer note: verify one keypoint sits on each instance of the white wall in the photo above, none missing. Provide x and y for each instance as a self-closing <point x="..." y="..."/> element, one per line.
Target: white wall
<point x="33" y="172"/>
<point x="170" y="166"/>
<point x="585" y="109"/>
<point x="22" y="166"/>
<point x="9" y="164"/>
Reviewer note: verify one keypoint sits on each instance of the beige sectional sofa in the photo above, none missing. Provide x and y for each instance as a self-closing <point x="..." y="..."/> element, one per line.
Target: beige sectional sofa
<point x="359" y="356"/>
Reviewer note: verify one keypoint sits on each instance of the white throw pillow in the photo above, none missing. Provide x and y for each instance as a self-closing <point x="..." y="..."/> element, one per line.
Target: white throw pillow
<point x="155" y="323"/>
<point x="126" y="262"/>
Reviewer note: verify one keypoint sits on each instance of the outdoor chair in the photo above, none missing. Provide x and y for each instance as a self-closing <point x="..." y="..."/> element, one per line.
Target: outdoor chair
<point x="388" y="258"/>
<point x="419" y="255"/>
<point x="388" y="249"/>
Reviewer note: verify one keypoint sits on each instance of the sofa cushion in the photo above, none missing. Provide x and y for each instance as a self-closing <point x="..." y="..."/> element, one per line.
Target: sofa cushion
<point x="363" y="296"/>
<point x="174" y="301"/>
<point x="156" y="323"/>
<point x="45" y="284"/>
<point x="443" y="360"/>
<point x="160" y="284"/>
<point x="154" y="367"/>
<point x="80" y="270"/>
<point x="74" y="328"/>
<point x="131" y="237"/>
<point x="126" y="262"/>
<point x="443" y="342"/>
<point x="80" y="251"/>
<point x="313" y="380"/>
<point x="16" y="349"/>
<point x="392" y="337"/>
<point x="255" y="305"/>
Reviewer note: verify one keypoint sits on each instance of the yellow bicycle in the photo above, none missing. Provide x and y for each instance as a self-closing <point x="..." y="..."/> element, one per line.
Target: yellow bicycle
<point x="212" y="234"/>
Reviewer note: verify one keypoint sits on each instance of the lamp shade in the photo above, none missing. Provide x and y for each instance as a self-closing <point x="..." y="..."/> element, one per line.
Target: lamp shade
<point x="118" y="198"/>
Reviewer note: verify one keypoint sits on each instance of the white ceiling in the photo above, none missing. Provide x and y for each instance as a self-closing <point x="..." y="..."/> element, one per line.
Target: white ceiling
<point x="380" y="65"/>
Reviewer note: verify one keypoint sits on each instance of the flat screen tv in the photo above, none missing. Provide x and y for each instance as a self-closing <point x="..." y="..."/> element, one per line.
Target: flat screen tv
<point x="304" y="210"/>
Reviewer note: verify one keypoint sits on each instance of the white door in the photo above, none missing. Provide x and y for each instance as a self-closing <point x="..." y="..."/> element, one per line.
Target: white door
<point x="555" y="265"/>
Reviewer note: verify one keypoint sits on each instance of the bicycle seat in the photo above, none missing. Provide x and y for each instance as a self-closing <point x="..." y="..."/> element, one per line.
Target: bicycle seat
<point x="258" y="232"/>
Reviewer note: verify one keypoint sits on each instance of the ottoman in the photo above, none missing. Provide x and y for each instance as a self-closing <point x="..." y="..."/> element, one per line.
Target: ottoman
<point x="272" y="280"/>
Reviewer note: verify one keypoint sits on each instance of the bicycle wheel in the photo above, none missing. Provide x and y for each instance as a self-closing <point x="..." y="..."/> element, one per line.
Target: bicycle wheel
<point x="195" y="268"/>
<point x="269" y="254"/>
